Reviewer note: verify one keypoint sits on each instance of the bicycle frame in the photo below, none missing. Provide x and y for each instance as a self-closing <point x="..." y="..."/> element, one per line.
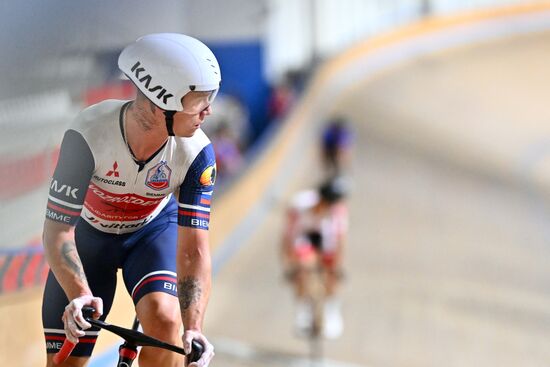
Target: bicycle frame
<point x="132" y="339"/>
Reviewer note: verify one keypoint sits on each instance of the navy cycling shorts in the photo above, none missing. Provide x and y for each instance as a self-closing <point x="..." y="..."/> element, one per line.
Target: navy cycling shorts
<point x="146" y="257"/>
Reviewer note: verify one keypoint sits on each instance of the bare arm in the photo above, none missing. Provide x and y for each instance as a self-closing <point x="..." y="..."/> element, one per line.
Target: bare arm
<point x="66" y="197"/>
<point x="62" y="256"/>
<point x="194" y="276"/>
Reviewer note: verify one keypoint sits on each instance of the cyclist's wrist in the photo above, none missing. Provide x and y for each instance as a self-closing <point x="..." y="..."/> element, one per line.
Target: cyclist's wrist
<point x="78" y="293"/>
<point x="191" y="323"/>
<point x="197" y="329"/>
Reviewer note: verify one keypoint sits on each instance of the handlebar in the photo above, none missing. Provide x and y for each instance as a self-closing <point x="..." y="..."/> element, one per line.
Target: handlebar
<point x="64" y="352"/>
<point x="131" y="336"/>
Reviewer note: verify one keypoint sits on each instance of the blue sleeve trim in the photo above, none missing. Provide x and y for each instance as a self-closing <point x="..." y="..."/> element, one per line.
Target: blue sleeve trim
<point x="196" y="191"/>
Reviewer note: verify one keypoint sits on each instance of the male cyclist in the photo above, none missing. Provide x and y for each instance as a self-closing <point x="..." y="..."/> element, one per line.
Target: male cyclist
<point x="317" y="223"/>
<point x="132" y="191"/>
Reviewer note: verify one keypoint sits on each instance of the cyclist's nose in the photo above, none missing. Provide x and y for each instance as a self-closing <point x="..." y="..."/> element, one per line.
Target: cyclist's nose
<point x="207" y="111"/>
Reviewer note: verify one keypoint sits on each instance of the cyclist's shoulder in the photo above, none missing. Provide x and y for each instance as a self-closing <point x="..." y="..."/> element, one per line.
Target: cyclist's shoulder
<point x="98" y="115"/>
<point x="194" y="145"/>
<point x="196" y="155"/>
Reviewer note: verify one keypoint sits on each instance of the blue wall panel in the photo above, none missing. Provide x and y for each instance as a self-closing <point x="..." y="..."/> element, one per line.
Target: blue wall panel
<point x="241" y="65"/>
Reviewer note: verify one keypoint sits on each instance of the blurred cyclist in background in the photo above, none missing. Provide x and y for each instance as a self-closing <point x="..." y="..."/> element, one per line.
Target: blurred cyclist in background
<point x="336" y="144"/>
<point x="316" y="229"/>
<point x="132" y="191"/>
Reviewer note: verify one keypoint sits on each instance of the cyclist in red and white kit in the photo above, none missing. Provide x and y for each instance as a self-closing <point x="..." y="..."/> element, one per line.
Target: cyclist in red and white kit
<point x="316" y="228"/>
<point x="132" y="191"/>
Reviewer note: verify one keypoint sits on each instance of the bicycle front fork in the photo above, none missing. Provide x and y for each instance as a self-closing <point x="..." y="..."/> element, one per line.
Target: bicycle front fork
<point x="126" y="355"/>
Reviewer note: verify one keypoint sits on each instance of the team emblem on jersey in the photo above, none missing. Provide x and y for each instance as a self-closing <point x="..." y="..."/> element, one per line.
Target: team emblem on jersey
<point x="158" y="177"/>
<point x="208" y="176"/>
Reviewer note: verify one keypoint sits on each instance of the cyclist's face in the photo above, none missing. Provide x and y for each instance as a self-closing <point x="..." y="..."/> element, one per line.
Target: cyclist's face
<point x="196" y="102"/>
<point x="196" y="106"/>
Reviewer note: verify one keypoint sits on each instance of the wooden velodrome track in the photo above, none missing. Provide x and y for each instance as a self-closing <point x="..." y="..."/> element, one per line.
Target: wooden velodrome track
<point x="448" y="254"/>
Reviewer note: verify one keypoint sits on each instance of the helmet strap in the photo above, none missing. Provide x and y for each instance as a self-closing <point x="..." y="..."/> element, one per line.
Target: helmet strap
<point x="169" y="117"/>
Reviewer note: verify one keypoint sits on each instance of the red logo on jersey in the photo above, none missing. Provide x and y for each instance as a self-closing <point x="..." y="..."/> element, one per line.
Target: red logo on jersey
<point x="114" y="170"/>
<point x="158" y="177"/>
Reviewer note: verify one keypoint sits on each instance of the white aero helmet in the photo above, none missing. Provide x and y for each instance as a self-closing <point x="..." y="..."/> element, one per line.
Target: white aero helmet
<point x="167" y="66"/>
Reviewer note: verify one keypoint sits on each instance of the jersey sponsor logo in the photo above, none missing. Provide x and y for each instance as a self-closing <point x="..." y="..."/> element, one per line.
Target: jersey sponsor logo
<point x="65" y="189"/>
<point x="158" y="177"/>
<point x="117" y="225"/>
<point x="146" y="80"/>
<point x="114" y="171"/>
<point x="110" y="206"/>
<point x="208" y="176"/>
<point x="199" y="223"/>
<point x="123" y="199"/>
<point x="57" y="216"/>
<point x="117" y="215"/>
<point x="92" y="219"/>
<point x="110" y="182"/>
<point x="54" y="345"/>
<point x="170" y="286"/>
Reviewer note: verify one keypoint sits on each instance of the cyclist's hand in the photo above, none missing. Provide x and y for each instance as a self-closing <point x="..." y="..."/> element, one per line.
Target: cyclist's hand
<point x="73" y="320"/>
<point x="207" y="354"/>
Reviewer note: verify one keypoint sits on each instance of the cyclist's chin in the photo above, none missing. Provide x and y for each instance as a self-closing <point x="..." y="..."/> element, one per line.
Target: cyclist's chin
<point x="186" y="134"/>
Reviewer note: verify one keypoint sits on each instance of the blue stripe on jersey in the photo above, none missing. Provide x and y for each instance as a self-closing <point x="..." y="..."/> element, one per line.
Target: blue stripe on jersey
<point x="196" y="190"/>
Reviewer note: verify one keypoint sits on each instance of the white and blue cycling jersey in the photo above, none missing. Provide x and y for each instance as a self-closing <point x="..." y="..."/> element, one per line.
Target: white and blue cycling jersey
<point x="98" y="180"/>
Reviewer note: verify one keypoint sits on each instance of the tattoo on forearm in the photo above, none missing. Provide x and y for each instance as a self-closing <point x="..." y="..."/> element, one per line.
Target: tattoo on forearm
<point x="70" y="256"/>
<point x="189" y="291"/>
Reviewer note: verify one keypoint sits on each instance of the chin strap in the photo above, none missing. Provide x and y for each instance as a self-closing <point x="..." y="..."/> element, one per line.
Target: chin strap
<point x="169" y="117"/>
